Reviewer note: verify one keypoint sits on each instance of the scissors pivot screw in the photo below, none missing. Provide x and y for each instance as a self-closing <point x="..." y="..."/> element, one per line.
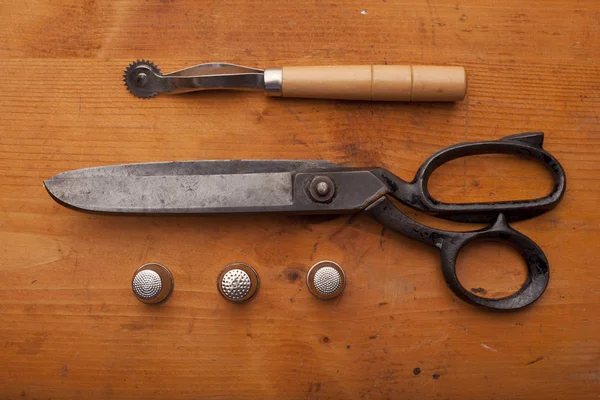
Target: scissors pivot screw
<point x="321" y="189"/>
<point x="152" y="283"/>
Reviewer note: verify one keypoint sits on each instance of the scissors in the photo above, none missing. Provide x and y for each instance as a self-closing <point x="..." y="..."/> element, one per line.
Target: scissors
<point x="322" y="187"/>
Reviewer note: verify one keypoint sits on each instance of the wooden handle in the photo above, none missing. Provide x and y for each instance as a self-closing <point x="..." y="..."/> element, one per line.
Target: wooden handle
<point x="375" y="82"/>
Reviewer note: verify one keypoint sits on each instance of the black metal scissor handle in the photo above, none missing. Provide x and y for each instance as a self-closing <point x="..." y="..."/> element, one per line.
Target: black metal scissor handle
<point x="450" y="243"/>
<point x="415" y="195"/>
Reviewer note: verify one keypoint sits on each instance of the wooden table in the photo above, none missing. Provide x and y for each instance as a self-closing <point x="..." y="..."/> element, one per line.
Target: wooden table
<point x="70" y="326"/>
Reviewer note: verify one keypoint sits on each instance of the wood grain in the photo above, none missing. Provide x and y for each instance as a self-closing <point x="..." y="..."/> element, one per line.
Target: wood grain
<point x="69" y="324"/>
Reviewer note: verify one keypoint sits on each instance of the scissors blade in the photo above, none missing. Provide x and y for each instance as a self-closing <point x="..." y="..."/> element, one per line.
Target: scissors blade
<point x="201" y="187"/>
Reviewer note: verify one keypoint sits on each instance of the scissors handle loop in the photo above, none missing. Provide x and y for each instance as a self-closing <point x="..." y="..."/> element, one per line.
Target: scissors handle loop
<point x="416" y="195"/>
<point x="450" y="243"/>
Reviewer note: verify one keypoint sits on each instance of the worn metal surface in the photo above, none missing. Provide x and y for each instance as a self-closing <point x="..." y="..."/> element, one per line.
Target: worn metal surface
<point x="213" y="187"/>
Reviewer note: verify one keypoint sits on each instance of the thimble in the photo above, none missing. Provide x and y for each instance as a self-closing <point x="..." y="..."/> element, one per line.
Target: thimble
<point x="238" y="282"/>
<point x="152" y="283"/>
<point x="326" y="280"/>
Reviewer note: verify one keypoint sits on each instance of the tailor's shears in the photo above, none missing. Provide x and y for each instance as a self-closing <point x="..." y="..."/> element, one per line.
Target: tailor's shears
<point x="321" y="187"/>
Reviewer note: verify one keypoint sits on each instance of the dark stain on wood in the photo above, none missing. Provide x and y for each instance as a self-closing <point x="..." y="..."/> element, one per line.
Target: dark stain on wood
<point x="534" y="361"/>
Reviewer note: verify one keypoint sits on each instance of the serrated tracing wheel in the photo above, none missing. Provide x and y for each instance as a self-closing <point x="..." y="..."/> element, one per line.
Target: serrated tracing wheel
<point x="137" y="77"/>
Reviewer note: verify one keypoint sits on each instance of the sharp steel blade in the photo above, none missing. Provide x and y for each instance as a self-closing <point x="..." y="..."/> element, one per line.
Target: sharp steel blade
<point x="182" y="187"/>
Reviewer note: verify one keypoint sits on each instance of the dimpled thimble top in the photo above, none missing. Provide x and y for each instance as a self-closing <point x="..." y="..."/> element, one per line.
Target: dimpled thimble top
<point x="147" y="284"/>
<point x="327" y="280"/>
<point x="236" y="284"/>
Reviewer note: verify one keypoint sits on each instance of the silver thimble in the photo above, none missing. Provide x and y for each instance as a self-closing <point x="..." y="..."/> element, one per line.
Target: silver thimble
<point x="152" y="283"/>
<point x="326" y="280"/>
<point x="238" y="282"/>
